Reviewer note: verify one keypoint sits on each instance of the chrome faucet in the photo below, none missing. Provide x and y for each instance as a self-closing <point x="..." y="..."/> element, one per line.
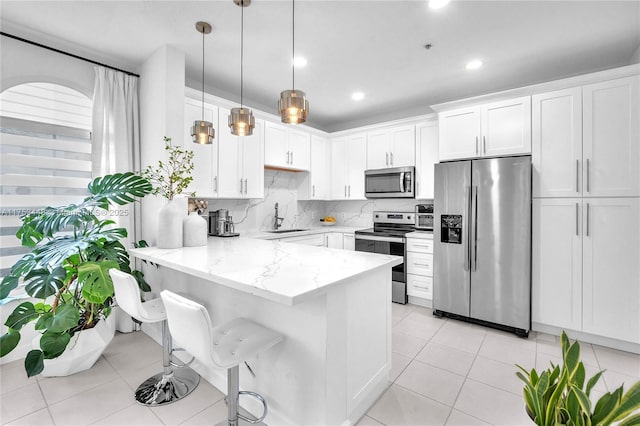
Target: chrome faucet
<point x="277" y="222"/>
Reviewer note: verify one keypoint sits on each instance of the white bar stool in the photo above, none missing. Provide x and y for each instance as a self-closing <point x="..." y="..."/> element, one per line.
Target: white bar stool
<point x="225" y="346"/>
<point x="170" y="385"/>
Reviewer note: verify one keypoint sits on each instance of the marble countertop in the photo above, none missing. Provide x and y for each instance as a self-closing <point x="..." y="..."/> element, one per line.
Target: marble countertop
<point x="278" y="271"/>
<point x="266" y="235"/>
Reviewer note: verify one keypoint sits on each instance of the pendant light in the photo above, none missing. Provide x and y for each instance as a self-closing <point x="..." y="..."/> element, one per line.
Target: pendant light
<point x="293" y="104"/>
<point x="203" y="131"/>
<point x="241" y="119"/>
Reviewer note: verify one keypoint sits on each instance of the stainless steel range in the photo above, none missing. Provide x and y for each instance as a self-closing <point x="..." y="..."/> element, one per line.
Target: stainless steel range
<point x="388" y="237"/>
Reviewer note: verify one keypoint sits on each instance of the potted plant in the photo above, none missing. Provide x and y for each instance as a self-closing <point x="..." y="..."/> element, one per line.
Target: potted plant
<point x="171" y="179"/>
<point x="72" y="251"/>
<point x="561" y="395"/>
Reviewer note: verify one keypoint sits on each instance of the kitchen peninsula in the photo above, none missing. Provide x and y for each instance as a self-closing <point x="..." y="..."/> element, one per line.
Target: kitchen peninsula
<point x="333" y="307"/>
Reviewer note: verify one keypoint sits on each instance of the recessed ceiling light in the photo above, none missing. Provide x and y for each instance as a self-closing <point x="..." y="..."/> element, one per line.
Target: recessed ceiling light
<point x="437" y="4"/>
<point x="299" y="61"/>
<point x="474" y="65"/>
<point x="357" y="96"/>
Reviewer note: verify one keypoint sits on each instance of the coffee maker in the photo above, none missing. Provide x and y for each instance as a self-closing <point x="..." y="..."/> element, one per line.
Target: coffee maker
<point x="221" y="224"/>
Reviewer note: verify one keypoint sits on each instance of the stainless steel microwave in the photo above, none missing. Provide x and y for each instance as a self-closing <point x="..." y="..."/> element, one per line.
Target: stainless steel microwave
<point x="398" y="182"/>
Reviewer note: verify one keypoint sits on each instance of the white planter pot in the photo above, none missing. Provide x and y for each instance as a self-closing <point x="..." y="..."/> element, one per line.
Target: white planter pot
<point x="194" y="230"/>
<point x="83" y="350"/>
<point x="170" y="218"/>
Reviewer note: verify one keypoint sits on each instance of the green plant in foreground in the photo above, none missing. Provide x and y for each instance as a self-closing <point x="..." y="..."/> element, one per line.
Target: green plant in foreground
<point x="72" y="251"/>
<point x="173" y="177"/>
<point x="560" y="395"/>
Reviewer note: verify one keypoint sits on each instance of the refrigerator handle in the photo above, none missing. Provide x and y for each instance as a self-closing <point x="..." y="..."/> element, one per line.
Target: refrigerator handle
<point x="475" y="229"/>
<point x="467" y="256"/>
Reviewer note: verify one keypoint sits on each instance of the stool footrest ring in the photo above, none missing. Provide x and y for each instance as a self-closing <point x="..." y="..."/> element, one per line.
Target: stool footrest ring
<point x="264" y="404"/>
<point x="180" y="364"/>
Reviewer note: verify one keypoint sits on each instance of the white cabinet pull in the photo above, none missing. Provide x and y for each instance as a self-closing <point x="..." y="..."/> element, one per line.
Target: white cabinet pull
<point x="291" y="157"/>
<point x="484" y="145"/>
<point x="215" y="184"/>
<point x="577" y="213"/>
<point x="391" y="155"/>
<point x="246" y="186"/>
<point x="588" y="173"/>
<point x="313" y="190"/>
<point x="476" y="145"/>
<point x="577" y="175"/>
<point x="345" y="191"/>
<point x="349" y="191"/>
<point x="241" y="186"/>
<point x="588" y="219"/>
<point x="386" y="158"/>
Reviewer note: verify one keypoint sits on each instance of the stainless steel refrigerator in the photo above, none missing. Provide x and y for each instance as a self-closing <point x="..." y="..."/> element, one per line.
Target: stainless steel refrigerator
<point x="482" y="236"/>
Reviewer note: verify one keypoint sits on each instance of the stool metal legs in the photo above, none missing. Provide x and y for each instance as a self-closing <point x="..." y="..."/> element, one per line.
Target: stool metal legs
<point x="233" y="393"/>
<point x="170" y="385"/>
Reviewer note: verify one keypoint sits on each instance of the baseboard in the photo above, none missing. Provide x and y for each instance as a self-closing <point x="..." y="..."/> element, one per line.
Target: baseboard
<point x="588" y="338"/>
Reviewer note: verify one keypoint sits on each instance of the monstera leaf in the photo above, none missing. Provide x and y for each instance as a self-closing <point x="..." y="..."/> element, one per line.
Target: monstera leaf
<point x="119" y="188"/>
<point x="42" y="283"/>
<point x="97" y="286"/>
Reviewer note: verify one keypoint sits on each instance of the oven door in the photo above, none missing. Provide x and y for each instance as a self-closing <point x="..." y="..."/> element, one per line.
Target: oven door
<point x="388" y="245"/>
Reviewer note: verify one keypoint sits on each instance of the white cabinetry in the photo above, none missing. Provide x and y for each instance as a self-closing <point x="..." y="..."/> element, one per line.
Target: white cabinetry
<point x="316" y="185"/>
<point x="349" y="241"/>
<point x="392" y="147"/>
<point x="420" y="269"/>
<point x="308" y="240"/>
<point x="241" y="165"/>
<point x="426" y="157"/>
<point x="334" y="240"/>
<point x="586" y="257"/>
<point x="286" y="147"/>
<point x="586" y="141"/>
<point x="348" y="163"/>
<point x="205" y="157"/>
<point x="494" y="129"/>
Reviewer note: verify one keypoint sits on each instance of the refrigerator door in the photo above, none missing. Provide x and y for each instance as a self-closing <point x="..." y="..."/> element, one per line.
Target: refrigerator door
<point x="501" y="241"/>
<point x="451" y="275"/>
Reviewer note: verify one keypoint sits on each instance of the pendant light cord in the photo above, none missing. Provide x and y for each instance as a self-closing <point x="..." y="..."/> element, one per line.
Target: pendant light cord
<point x="241" y="53"/>
<point x="293" y="44"/>
<point x="203" y="73"/>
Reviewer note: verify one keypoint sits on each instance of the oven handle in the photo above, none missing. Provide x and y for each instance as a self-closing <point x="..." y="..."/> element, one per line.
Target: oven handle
<point x="380" y="238"/>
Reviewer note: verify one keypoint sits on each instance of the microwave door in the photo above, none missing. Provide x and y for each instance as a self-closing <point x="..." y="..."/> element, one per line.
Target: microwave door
<point x="383" y="184"/>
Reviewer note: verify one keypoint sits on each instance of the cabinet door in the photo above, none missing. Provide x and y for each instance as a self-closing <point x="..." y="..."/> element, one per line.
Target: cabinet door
<point x="300" y="149"/>
<point x="403" y="146"/>
<point x="230" y="164"/>
<point x="378" y="149"/>
<point x="557" y="143"/>
<point x="426" y="157"/>
<point x="356" y="165"/>
<point x="334" y="240"/>
<point x="557" y="263"/>
<point x="420" y="286"/>
<point x="459" y="135"/>
<point x="307" y="240"/>
<point x="339" y="169"/>
<point x="320" y="173"/>
<point x="276" y="151"/>
<point x="611" y="135"/>
<point x="253" y="162"/>
<point x="611" y="272"/>
<point x="419" y="263"/>
<point x="506" y="127"/>
<point x="205" y="157"/>
<point x="349" y="241"/>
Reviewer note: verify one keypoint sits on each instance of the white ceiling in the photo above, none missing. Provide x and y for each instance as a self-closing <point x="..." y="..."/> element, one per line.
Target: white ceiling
<point x="372" y="46"/>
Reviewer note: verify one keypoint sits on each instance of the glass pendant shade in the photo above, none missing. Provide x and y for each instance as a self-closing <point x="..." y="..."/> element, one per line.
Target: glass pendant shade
<point x="293" y="106"/>
<point x="203" y="132"/>
<point x="241" y="122"/>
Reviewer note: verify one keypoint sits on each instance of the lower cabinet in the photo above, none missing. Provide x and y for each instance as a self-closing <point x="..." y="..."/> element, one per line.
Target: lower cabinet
<point x="586" y="265"/>
<point x="329" y="239"/>
<point x="334" y="240"/>
<point x="349" y="241"/>
<point x="420" y="268"/>
<point x="308" y="240"/>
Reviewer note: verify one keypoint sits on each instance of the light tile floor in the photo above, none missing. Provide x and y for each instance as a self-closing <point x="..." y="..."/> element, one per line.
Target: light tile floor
<point x="444" y="372"/>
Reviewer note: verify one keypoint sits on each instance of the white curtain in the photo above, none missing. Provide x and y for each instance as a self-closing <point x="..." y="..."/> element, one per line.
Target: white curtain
<point x="116" y="136"/>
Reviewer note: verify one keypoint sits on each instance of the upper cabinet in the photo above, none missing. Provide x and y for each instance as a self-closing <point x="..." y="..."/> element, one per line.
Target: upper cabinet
<point x="348" y="163"/>
<point x="392" y="147"/>
<point x="586" y="140"/>
<point x="494" y="129"/>
<point x="316" y="185"/>
<point x="426" y="157"/>
<point x="205" y="157"/>
<point x="241" y="165"/>
<point x="286" y="147"/>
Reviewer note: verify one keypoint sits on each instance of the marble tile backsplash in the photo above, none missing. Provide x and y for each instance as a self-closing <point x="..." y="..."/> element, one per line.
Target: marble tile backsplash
<point x="282" y="188"/>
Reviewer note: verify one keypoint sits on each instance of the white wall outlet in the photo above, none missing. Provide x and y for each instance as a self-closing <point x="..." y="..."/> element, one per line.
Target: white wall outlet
<point x="313" y="215"/>
<point x="342" y="215"/>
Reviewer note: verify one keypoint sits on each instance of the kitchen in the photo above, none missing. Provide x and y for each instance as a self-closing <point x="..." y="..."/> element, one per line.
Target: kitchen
<point x="294" y="192"/>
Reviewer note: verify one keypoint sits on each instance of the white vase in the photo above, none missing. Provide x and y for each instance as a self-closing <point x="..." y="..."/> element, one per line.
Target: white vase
<point x="82" y="352"/>
<point x="194" y="229"/>
<point x="170" y="218"/>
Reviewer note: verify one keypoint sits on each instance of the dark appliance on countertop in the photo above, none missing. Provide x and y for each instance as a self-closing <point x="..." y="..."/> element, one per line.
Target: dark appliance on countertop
<point x="388" y="237"/>
<point x="221" y="224"/>
<point x="424" y="217"/>
<point x="482" y="242"/>
<point x="398" y="182"/>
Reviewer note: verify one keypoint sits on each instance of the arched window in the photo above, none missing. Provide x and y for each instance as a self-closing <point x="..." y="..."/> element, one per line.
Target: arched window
<point x="45" y="142"/>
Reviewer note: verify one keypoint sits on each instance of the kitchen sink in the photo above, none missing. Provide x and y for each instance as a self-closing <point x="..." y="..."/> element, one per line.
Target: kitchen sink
<point x="284" y="231"/>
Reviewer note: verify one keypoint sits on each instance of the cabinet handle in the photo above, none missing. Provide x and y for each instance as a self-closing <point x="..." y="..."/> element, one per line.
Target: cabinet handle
<point x="313" y="190"/>
<point x="421" y="245"/>
<point x="288" y="157"/>
<point x="241" y="186"/>
<point x="345" y="191"/>
<point x="386" y="158"/>
<point x="577" y="218"/>
<point x="476" y="145"/>
<point x="215" y="184"/>
<point x="588" y="219"/>
<point x="291" y="157"/>
<point x="349" y="191"/>
<point x="484" y="145"/>
<point x="588" y="173"/>
<point x="577" y="175"/>
<point x="391" y="156"/>
<point x="426" y="265"/>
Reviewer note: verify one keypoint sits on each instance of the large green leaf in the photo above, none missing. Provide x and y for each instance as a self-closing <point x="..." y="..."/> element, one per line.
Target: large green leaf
<point x="21" y="315"/>
<point x="592" y="381"/>
<point x="633" y="420"/>
<point x="605" y="405"/>
<point x="65" y="317"/>
<point x="42" y="283"/>
<point x="629" y="403"/>
<point x="28" y="233"/>
<point x="53" y="344"/>
<point x="9" y="282"/>
<point x="51" y="220"/>
<point x="44" y="321"/>
<point x="96" y="282"/>
<point x="572" y="358"/>
<point x="34" y="363"/>
<point x="8" y="342"/>
<point x="119" y="188"/>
